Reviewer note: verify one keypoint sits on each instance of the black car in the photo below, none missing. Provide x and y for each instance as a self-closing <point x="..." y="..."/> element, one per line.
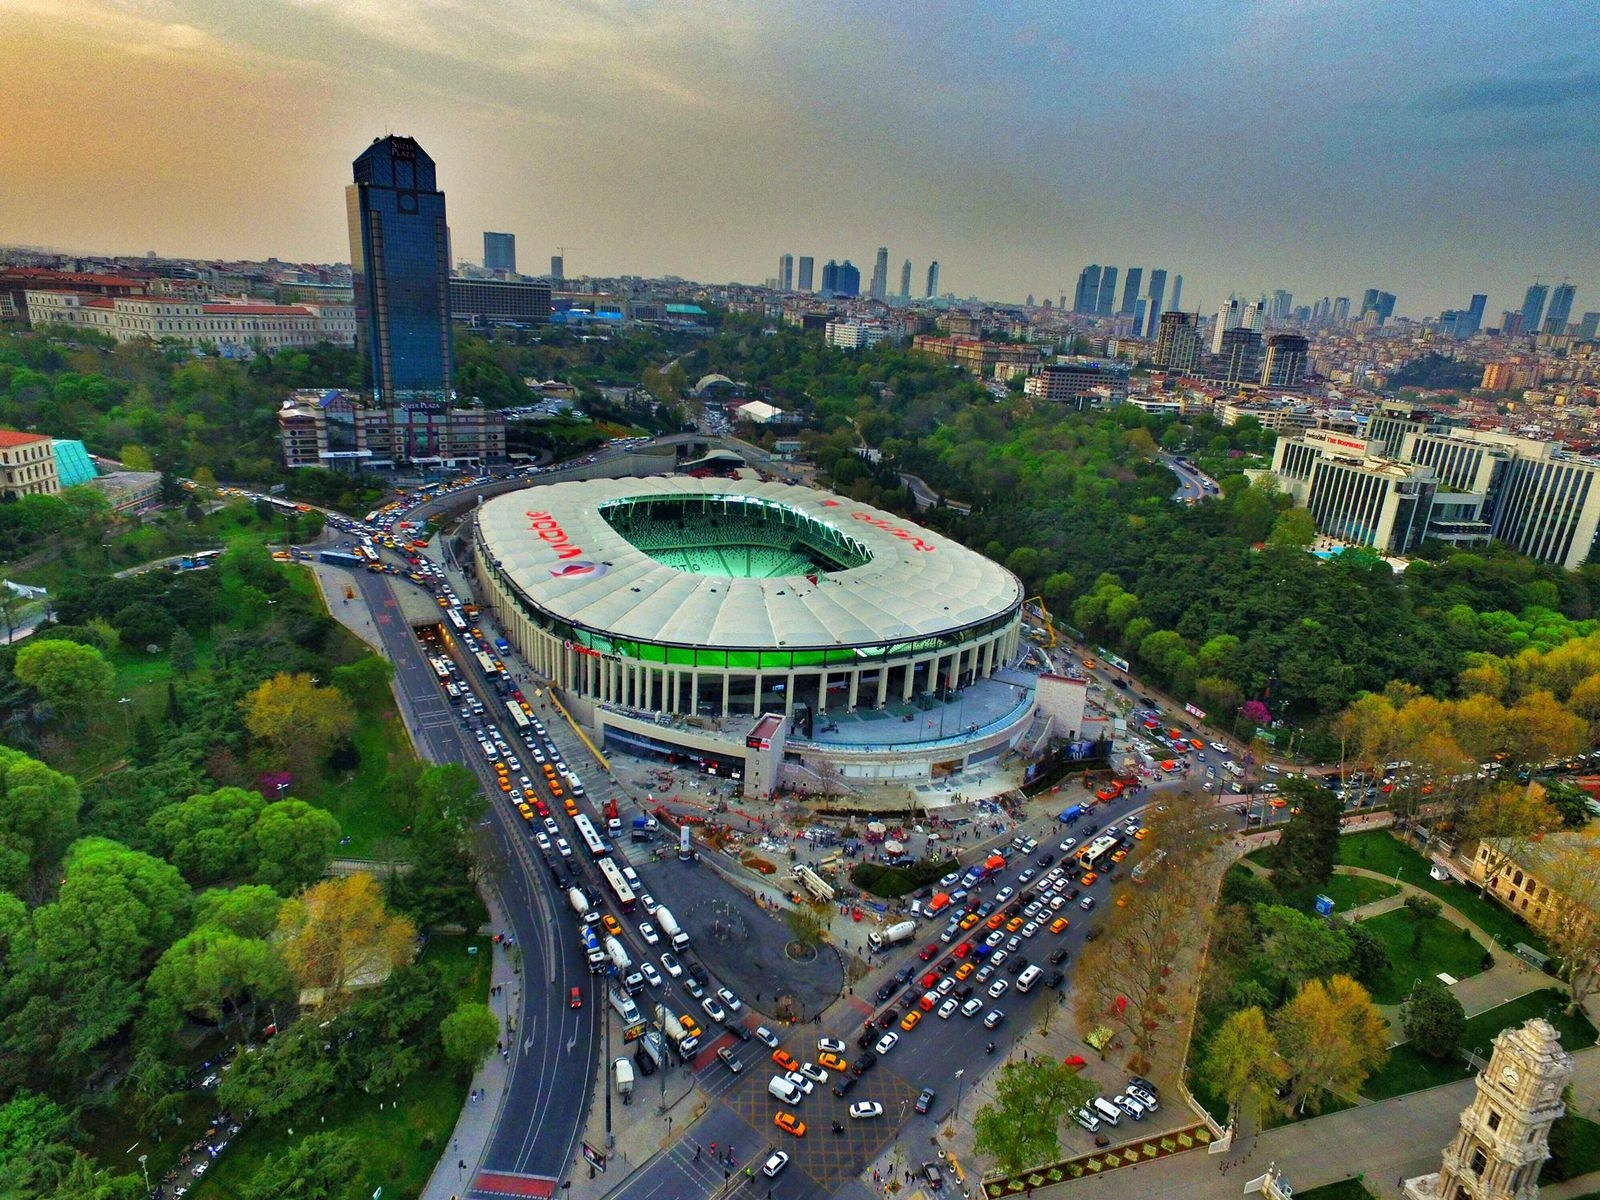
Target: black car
<point x="1058" y="955"/>
<point x="1046" y="860"/>
<point x="904" y="977"/>
<point x="925" y="1100"/>
<point x="864" y="1042"/>
<point x="1092" y="934"/>
<point x="738" y="1031"/>
<point x="864" y="1064"/>
<point x="964" y="992"/>
<point x="1055" y="979"/>
<point x="1015" y="965"/>
<point x="909" y="997"/>
<point x="889" y="1017"/>
<point x="883" y="993"/>
<point x="846" y="1082"/>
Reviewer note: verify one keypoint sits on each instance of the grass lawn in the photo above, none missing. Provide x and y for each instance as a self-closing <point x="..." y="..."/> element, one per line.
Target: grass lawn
<point x="1352" y="891"/>
<point x="1445" y="947"/>
<point x="1378" y="850"/>
<point x="363" y="801"/>
<point x="1583" y="1149"/>
<point x="1409" y="1071"/>
<point x="1345" y="1189"/>
<point x="399" y="1143"/>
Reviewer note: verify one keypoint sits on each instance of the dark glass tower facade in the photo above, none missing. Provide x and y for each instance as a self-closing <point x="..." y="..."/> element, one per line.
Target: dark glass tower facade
<point x="400" y="264"/>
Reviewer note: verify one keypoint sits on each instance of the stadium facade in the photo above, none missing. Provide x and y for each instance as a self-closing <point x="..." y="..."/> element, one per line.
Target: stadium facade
<point x="671" y="613"/>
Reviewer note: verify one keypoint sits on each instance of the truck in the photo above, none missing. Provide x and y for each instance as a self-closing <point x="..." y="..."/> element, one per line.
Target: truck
<point x="598" y="961"/>
<point x="670" y="927"/>
<point x="813" y="882"/>
<point x="622" y="1069"/>
<point x="978" y="872"/>
<point x="644" y="828"/>
<point x="674" y="1031"/>
<point x="1069" y="815"/>
<point x="579" y="902"/>
<point x="627" y="1010"/>
<point x="619" y="955"/>
<point x="652" y="1053"/>
<point x="900" y="931"/>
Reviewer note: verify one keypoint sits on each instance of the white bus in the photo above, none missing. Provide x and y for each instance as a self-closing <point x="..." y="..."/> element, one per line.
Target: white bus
<point x="591" y="839"/>
<point x="456" y="621"/>
<point x="1096" y="850"/>
<point x="518" y="717"/>
<point x="618" y="885"/>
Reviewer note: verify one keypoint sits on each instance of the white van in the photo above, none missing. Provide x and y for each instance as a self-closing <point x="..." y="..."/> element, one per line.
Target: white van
<point x="1028" y="978"/>
<point x="1108" y="1112"/>
<point x="786" y="1090"/>
<point x="1131" y="1106"/>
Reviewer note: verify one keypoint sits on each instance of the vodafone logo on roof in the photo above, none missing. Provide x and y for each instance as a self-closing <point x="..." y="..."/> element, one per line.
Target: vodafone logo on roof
<point x="549" y="531"/>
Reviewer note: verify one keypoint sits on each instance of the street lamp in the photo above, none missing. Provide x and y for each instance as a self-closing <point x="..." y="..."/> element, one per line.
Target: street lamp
<point x="956" y="1115"/>
<point x="145" y="1171"/>
<point x="122" y="704"/>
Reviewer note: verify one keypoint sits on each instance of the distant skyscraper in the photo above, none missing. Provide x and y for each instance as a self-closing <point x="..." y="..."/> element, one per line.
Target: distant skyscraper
<point x="1088" y="295"/>
<point x="786" y="272"/>
<point x="500" y="252"/>
<point x="1533" y="307"/>
<point x="558" y="268"/>
<point x="807" y="265"/>
<point x="1228" y="317"/>
<point x="400" y="269"/>
<point x="933" y="279"/>
<point x="1255" y="316"/>
<point x="848" y="279"/>
<point x="1105" y="303"/>
<point x="1341" y="310"/>
<point x="1282" y="305"/>
<point x="1178" y="341"/>
<point x="1177" y="292"/>
<point x="1130" y="290"/>
<point x="1560" y="308"/>
<point x="905" y="280"/>
<point x="830" y="278"/>
<point x="880" y="274"/>
<point x="1374" y="300"/>
<point x="1158" y="287"/>
<point x="1141" y="315"/>
<point x="1473" y="320"/>
<point x="1589" y="327"/>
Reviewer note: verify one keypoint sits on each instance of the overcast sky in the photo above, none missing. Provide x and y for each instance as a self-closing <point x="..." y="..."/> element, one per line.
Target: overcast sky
<point x="1429" y="148"/>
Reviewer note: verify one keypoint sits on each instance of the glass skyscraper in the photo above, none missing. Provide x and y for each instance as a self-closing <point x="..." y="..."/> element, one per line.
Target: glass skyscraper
<point x="400" y="264"/>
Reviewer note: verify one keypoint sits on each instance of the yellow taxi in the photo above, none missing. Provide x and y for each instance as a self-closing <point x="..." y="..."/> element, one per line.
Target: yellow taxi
<point x="997" y="920"/>
<point x="690" y="1025"/>
<point x="909" y="1021"/>
<point x="1118" y="855"/>
<point x="1014" y="924"/>
<point x="613" y="927"/>
<point x="968" y="921"/>
<point x="1058" y="925"/>
<point x="832" y="1062"/>
<point x="1088" y="879"/>
<point x="790" y="1123"/>
<point x="526" y="810"/>
<point x="965" y="969"/>
<point x="571" y="806"/>
<point x="1139" y="835"/>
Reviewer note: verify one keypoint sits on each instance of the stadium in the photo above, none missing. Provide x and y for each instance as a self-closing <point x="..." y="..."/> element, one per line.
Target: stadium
<point x="670" y="613"/>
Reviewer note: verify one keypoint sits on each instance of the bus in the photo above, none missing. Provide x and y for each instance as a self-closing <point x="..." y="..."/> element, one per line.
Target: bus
<point x="366" y="551"/>
<point x="587" y="835"/>
<point x="618" y="885"/>
<point x="1096" y="850"/>
<point x="456" y="621"/>
<point x="197" y="562"/>
<point x="487" y="664"/>
<point x="518" y="717"/>
<point x="441" y="668"/>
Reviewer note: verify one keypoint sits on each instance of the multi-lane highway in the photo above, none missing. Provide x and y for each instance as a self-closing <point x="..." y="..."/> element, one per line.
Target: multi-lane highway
<point x="1193" y="484"/>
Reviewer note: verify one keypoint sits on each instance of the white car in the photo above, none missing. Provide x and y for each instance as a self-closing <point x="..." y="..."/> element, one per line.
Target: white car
<point x="813" y="1072"/>
<point x="1029" y="929"/>
<point x="948" y="1008"/>
<point x="672" y="965"/>
<point x="542" y="840"/>
<point x="648" y="932"/>
<point x="998" y="988"/>
<point x="887" y="1042"/>
<point x="714" y="1010"/>
<point x="828" y="1045"/>
<point x="1003" y="895"/>
<point x="992" y="1018"/>
<point x="766" y="1037"/>
<point x="862" y="1109"/>
<point x="776" y="1162"/>
<point x="651" y="975"/>
<point x="733" y="1002"/>
<point x="972" y="1007"/>
<point x="1219" y="747"/>
<point x="800" y="1081"/>
<point x="1067" y="844"/>
<point x="649" y="904"/>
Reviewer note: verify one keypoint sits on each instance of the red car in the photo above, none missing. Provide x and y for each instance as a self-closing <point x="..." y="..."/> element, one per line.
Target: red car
<point x="964" y="949"/>
<point x="577" y="997"/>
<point x="928" y="951"/>
<point x="928" y="980"/>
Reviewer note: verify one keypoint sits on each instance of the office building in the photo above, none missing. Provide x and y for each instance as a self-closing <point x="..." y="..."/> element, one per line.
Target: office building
<point x="1158" y="288"/>
<point x="1255" y="316"/>
<point x="1560" y="313"/>
<point x="1107" y="298"/>
<point x="500" y="252"/>
<point x="1533" y="307"/>
<point x="1239" y="356"/>
<point x="1141" y="316"/>
<point x="1282" y="306"/>
<point x="340" y="431"/>
<point x="558" y="269"/>
<point x="807" y="266"/>
<point x="1078" y="380"/>
<point x="1374" y="300"/>
<point x="905" y="280"/>
<point x="786" y="272"/>
<point x="1178" y="341"/>
<point x="27" y="465"/>
<point x="1177" y="292"/>
<point x="1589" y="327"/>
<point x="1228" y="317"/>
<point x="1130" y="291"/>
<point x="1285" y="366"/>
<point x="400" y="268"/>
<point x="840" y="279"/>
<point x="500" y="301"/>
<point x="1355" y="496"/>
<point x="933" y="279"/>
<point x="830" y="278"/>
<point x="880" y="275"/>
<point x="1088" y="294"/>
<point x="849" y="334"/>
<point x="1474" y="316"/>
<point x="1341" y="311"/>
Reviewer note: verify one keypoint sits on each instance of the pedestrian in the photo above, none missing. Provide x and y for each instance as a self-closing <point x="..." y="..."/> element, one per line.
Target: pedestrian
<point x="697" y="1153"/>
<point x="713" y="1148"/>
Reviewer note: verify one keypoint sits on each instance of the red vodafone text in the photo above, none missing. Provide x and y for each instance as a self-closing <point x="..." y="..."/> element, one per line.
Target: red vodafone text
<point x="905" y="535"/>
<point x="549" y="530"/>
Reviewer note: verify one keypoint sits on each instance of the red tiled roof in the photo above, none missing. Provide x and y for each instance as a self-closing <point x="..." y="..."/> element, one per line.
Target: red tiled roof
<point x="256" y="310"/>
<point x="11" y="437"/>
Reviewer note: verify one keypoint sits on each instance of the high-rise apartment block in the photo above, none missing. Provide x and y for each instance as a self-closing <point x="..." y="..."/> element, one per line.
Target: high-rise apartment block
<point x="500" y="252"/>
<point x="1088" y="294"/>
<point x="905" y="280"/>
<point x="1287" y="354"/>
<point x="786" y="272"/>
<point x="807" y="267"/>
<point x="1228" y="317"/>
<point x="1130" y="290"/>
<point x="1177" y="292"/>
<point x="880" y="275"/>
<point x="1589" y="327"/>
<point x="558" y="269"/>
<point x="400" y="268"/>
<point x="1282" y="306"/>
<point x="933" y="279"/>
<point x="1158" y="288"/>
<point x="1239" y="356"/>
<point x="1560" y="313"/>
<point x="1178" y="341"/>
<point x="1533" y="307"/>
<point x="1107" y="299"/>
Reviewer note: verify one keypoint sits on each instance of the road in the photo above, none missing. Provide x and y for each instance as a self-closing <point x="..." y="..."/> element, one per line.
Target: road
<point x="1191" y="482"/>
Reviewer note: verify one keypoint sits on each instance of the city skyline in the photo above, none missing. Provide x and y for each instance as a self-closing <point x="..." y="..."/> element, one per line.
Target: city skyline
<point x="1436" y="184"/>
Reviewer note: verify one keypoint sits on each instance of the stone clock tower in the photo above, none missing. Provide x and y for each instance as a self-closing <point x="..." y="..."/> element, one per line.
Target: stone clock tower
<point x="1503" y="1140"/>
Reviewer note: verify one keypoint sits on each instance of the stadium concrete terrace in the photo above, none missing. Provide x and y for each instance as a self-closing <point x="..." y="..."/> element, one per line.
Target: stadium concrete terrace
<point x="713" y="598"/>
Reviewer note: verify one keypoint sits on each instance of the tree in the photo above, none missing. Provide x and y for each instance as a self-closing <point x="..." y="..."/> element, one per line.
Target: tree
<point x="365" y="681"/>
<point x="295" y="842"/>
<point x="215" y="972"/>
<point x="469" y="1034"/>
<point x="439" y="887"/>
<point x="182" y="652"/>
<point x="34" y="1130"/>
<point x="300" y="721"/>
<point x="211" y="836"/>
<point x="321" y="1166"/>
<point x="73" y="679"/>
<point x="1295" y="527"/>
<point x="1433" y="1019"/>
<point x="1333" y="1037"/>
<point x="143" y="624"/>
<point x="806" y="925"/>
<point x="1296" y="947"/>
<point x="1242" y="1064"/>
<point x="1571" y="870"/>
<point x="1568" y="800"/>
<point x="1506" y="821"/>
<point x="1303" y="858"/>
<point x="38" y="818"/>
<point x="250" y="910"/>
<point x="339" y="932"/>
<point x="1021" y="1127"/>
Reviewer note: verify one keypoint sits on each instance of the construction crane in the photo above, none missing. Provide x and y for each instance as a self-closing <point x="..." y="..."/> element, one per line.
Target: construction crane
<point x="1049" y="622"/>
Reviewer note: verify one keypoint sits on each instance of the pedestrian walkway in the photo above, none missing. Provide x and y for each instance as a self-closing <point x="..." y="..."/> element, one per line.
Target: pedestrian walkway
<point x="460" y="1161"/>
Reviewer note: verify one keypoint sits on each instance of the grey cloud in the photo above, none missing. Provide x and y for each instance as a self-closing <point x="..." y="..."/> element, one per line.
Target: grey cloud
<point x="1521" y="94"/>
